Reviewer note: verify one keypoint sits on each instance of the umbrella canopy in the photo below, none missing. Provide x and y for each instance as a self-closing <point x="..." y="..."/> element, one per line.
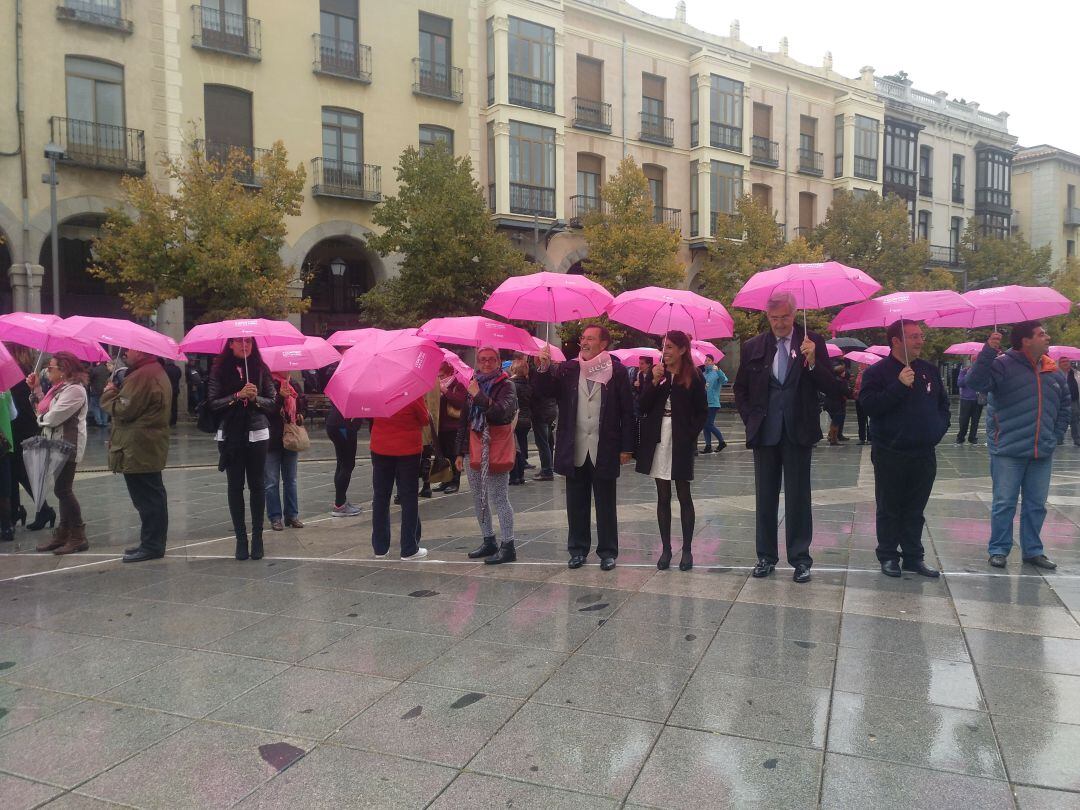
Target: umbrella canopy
<point x="847" y="343"/>
<point x="881" y="350"/>
<point x="118" y="332"/>
<point x="43" y="458"/>
<point x="311" y="354"/>
<point x="476" y="330"/>
<point x="834" y="350"/>
<point x="909" y="306"/>
<point x="1057" y="352"/>
<point x="814" y="285"/>
<point x="705" y="348"/>
<point x="548" y="297"/>
<point x="384" y="375"/>
<point x="631" y="357"/>
<point x="1009" y="304"/>
<point x="39" y="332"/>
<point x="353" y="337"/>
<point x="10" y="372"/>
<point x="210" y="338"/>
<point x="866" y="358"/>
<point x="974" y="347"/>
<point x="460" y="367"/>
<point x="556" y="353"/>
<point x="657" y="310"/>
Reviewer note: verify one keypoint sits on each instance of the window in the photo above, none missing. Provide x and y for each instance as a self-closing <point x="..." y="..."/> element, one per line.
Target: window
<point x="807" y="213"/>
<point x="810" y="160"/>
<point x="431" y="135"/>
<point x="590" y="169"/>
<point x="1070" y="196"/>
<point x="923" y="229"/>
<point x="532" y="169"/>
<point x="343" y="147"/>
<point x="762" y="196"/>
<point x="956" y="228"/>
<point x="339" y="33"/>
<point x="993" y="179"/>
<point x="838" y="163"/>
<point x="491" y="60"/>
<point x="655" y="177"/>
<point x="693" y="198"/>
<point x="725" y="187"/>
<point x="693" y="111"/>
<point x="957" y="178"/>
<point x="224" y="24"/>
<point x="532" y="65"/>
<point x="926" y="171"/>
<point x="227" y="113"/>
<point x="590" y="111"/>
<point x="435" y="54"/>
<point x="866" y="147"/>
<point x="95" y="109"/>
<point x="725" y="113"/>
<point x="900" y="159"/>
<point x="1070" y="248"/>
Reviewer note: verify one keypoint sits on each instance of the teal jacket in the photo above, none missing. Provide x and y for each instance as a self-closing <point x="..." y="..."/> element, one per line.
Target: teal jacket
<point x="713" y="381"/>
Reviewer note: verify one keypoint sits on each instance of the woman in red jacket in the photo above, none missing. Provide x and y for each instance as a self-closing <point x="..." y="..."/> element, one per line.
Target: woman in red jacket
<point x="397" y="443"/>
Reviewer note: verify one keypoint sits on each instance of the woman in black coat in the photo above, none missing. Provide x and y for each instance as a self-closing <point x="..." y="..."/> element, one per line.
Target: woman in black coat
<point x="519" y="376"/>
<point x="674" y="407"/>
<point x="241" y="394"/>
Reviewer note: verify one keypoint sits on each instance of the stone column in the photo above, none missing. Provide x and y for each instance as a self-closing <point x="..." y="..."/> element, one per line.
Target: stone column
<point x="26" y="286"/>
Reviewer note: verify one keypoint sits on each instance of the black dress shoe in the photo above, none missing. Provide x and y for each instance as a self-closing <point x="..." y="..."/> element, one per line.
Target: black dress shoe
<point x="277" y="525"/>
<point x="451" y="489"/>
<point x="721" y="446"/>
<point x="543" y="477"/>
<point x="506" y="553"/>
<point x="802" y="573"/>
<point x="1041" y="561"/>
<point x="141" y="555"/>
<point x="997" y="560"/>
<point x="686" y="562"/>
<point x="487" y="548"/>
<point x="132" y="550"/>
<point x="890" y="568"/>
<point x="607" y="563"/>
<point x="922" y="569"/>
<point x="575" y="562"/>
<point x="763" y="569"/>
<point x="664" y="561"/>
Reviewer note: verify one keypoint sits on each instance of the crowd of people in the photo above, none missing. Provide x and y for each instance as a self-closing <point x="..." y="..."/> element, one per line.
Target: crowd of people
<point x="589" y="417"/>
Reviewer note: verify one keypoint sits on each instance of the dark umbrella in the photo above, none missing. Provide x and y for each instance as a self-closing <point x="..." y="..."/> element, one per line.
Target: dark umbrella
<point x="848" y="344"/>
<point x="43" y="459"/>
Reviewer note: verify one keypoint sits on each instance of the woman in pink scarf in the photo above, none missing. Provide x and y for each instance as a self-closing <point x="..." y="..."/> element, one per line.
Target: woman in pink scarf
<point x="281" y="463"/>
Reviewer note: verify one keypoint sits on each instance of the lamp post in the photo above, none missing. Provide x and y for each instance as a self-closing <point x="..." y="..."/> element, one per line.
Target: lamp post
<point x="54" y="153"/>
<point x="337" y="278"/>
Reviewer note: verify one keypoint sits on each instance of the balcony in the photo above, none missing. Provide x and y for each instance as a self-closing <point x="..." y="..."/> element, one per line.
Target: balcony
<point x="437" y="80"/>
<point x="926" y="186"/>
<point x="866" y="167"/>
<point x="944" y="256"/>
<point x="903" y="182"/>
<point x="721" y="136"/>
<point x="526" y="91"/>
<point x="341" y="58"/>
<point x="591" y="115"/>
<point x="224" y="32"/>
<point x="993" y="200"/>
<point x="672" y="217"/>
<point x="347" y="181"/>
<point x="958" y="193"/>
<point x="764" y="152"/>
<point x="99" y="146"/>
<point x="727" y="226"/>
<point x="811" y="162"/>
<point x="111" y="14"/>
<point x="581" y="205"/>
<point x="1072" y="215"/>
<point x="803" y="232"/>
<point x="657" y="129"/>
<point x="536" y="201"/>
<point x="248" y="174"/>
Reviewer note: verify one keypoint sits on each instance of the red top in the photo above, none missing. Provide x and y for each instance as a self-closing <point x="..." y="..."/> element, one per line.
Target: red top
<point x="400" y="434"/>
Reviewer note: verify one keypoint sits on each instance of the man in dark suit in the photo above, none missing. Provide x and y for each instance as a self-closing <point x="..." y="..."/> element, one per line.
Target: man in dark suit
<point x="596" y="435"/>
<point x="781" y="373"/>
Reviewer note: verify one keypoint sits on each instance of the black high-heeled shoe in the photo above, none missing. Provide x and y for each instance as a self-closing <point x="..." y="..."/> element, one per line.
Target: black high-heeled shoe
<point x="7" y="534"/>
<point x="19" y="516"/>
<point x="45" y="516"/>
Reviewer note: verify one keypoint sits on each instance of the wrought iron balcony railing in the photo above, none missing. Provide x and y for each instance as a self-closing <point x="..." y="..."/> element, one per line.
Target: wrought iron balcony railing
<point x="583" y="204"/>
<point x="112" y="14"/>
<point x="99" y="146"/>
<point x="944" y="256"/>
<point x="589" y="114"/>
<point x="866" y="167"/>
<point x="764" y="152"/>
<point x="1072" y="215"/>
<point x="248" y="172"/>
<point x="437" y="79"/>
<point x="722" y="136"/>
<point x="811" y="162"/>
<point x="222" y="31"/>
<point x="352" y="181"/>
<point x="532" y="200"/>
<point x="526" y="91"/>
<point x="958" y="192"/>
<point x="342" y="58"/>
<point x="657" y="129"/>
<point x="926" y="186"/>
<point x="672" y="217"/>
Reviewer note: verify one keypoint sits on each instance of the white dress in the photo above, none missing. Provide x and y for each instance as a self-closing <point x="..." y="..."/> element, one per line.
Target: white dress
<point x="661" y="463"/>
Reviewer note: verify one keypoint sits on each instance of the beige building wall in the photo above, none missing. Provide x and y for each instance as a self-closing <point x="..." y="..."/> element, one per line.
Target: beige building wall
<point x="1046" y="195"/>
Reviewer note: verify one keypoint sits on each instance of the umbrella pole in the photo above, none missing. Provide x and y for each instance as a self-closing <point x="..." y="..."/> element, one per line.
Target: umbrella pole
<point x="37" y="363"/>
<point x="903" y="339"/>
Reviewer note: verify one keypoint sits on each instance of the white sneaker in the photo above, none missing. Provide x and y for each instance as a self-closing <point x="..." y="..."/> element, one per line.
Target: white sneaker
<point x="420" y="552"/>
<point x="380" y="556"/>
<point x="345" y="510"/>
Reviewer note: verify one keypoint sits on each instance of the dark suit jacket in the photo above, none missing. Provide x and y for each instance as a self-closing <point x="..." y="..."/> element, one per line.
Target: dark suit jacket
<point x="752" y="386"/>
<point x="618" y="428"/>
<point x="689" y="409"/>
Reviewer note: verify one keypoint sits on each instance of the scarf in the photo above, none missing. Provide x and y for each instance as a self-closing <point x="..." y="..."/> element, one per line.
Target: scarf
<point x="477" y="417"/>
<point x="288" y="393"/>
<point x="43" y="406"/>
<point x="598" y="369"/>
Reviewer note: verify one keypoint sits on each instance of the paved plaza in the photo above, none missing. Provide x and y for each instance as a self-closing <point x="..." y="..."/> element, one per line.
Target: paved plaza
<point x="319" y="677"/>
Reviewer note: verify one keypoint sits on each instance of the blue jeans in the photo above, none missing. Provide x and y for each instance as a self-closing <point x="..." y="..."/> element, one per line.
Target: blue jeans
<point x="94" y="412"/>
<point x="1012" y="477"/>
<point x="385" y="472"/>
<point x="542" y="434"/>
<point x="712" y="430"/>
<point x="281" y="467"/>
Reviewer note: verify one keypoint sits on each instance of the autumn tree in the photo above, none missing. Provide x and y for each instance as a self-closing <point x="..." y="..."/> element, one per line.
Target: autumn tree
<point x="214" y="242"/>
<point x="453" y="258"/>
<point x="993" y="261"/>
<point x="1065" y="330"/>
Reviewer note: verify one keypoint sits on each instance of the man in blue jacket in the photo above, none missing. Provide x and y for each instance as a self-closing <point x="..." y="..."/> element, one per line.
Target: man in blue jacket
<point x="909" y="414"/>
<point x="1027" y="413"/>
<point x="714" y="380"/>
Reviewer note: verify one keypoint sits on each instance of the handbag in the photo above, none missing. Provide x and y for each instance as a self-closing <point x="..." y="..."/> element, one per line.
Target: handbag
<point x="295" y="438"/>
<point x="452" y="412"/>
<point x="503" y="450"/>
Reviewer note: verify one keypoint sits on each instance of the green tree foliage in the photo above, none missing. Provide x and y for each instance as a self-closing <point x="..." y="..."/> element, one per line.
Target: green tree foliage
<point x="993" y="262"/>
<point x="214" y="242"/>
<point x="1065" y="330"/>
<point x="453" y="256"/>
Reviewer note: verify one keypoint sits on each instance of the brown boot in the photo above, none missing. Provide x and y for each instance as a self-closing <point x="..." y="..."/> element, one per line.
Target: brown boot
<point x="59" y="537"/>
<point x="833" y="432"/>
<point x="76" y="541"/>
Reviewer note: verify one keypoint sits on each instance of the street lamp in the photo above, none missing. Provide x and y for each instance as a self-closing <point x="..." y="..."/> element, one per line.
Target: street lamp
<point x="338" y="267"/>
<point x="54" y="153"/>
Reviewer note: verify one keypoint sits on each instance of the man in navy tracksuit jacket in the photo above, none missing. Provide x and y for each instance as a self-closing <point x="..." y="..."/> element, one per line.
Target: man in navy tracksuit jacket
<point x="909" y="415"/>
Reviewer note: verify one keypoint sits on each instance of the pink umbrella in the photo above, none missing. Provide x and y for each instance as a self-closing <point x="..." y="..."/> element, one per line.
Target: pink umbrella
<point x="118" y="332"/>
<point x="353" y="337"/>
<point x="834" y="350"/>
<point x="657" y="310"/>
<point x="476" y="330"/>
<point x="1057" y="352"/>
<point x="631" y="357"/>
<point x="210" y="338"/>
<point x="460" y="367"/>
<point x="556" y="353"/>
<point x="312" y="353"/>
<point x="974" y="347"/>
<point x="39" y="332"/>
<point x="866" y="358"/>
<point x="384" y="375"/>
<point x="1009" y="304"/>
<point x="549" y="297"/>
<point x="10" y="372"/>
<point x="705" y="348"/>
<point x="880" y="350"/>
<point x="815" y="286"/>
<point x="909" y="306"/>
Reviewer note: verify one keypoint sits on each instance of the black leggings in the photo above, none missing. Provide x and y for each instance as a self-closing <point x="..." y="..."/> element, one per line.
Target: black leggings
<point x="249" y="464"/>
<point x="663" y="511"/>
<point x="344" y="440"/>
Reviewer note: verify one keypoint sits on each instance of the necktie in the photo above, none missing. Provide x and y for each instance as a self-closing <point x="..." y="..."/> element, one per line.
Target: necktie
<point x="782" y="359"/>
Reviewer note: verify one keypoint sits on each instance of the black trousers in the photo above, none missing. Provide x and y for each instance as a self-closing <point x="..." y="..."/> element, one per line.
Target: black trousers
<point x="902" y="487"/>
<point x="789" y="463"/>
<point x="970" y="411"/>
<point x="344" y="441"/>
<point x="249" y="464"/>
<point x="582" y="488"/>
<point x="864" y="422"/>
<point x="148" y="496"/>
